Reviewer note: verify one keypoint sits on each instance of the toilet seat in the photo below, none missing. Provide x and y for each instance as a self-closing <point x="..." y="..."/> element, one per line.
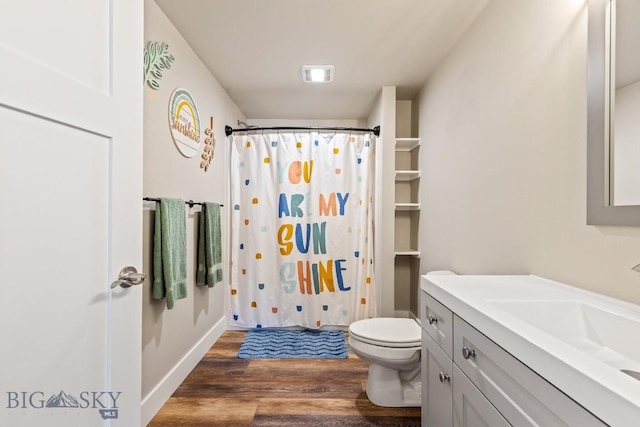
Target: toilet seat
<point x="387" y="332"/>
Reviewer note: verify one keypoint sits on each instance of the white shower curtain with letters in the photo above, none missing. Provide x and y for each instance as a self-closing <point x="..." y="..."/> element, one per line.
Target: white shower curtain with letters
<point x="302" y="244"/>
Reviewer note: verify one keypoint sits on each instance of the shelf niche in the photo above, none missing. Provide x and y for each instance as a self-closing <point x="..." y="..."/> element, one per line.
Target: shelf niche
<point x="407" y="210"/>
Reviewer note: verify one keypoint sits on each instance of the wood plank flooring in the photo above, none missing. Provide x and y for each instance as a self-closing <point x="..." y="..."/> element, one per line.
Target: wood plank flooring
<point x="223" y="390"/>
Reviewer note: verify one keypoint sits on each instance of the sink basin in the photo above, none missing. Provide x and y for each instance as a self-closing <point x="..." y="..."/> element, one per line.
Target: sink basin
<point x="588" y="328"/>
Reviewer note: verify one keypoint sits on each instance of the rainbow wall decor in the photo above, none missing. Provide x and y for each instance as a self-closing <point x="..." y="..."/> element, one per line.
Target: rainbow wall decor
<point x="184" y="122"/>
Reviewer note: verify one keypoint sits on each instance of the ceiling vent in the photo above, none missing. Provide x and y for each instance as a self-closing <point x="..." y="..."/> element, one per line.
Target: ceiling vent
<point x="317" y="73"/>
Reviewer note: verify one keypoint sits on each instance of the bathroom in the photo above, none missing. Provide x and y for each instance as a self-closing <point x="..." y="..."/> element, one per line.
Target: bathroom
<point x="503" y="158"/>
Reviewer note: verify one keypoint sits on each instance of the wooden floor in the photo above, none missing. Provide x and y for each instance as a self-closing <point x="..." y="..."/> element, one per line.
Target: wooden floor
<point x="223" y="390"/>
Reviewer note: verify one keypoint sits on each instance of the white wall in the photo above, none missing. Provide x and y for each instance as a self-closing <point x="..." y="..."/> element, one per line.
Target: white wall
<point x="174" y="340"/>
<point x="503" y="124"/>
<point x="383" y="114"/>
<point x="403" y="119"/>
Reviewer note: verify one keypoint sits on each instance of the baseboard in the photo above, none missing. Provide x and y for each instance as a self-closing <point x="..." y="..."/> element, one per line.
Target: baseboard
<point x="402" y="314"/>
<point x="157" y="397"/>
<point x="414" y="317"/>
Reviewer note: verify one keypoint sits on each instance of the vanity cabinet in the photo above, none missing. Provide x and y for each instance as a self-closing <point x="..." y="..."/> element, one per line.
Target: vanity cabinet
<point x="468" y="380"/>
<point x="449" y="398"/>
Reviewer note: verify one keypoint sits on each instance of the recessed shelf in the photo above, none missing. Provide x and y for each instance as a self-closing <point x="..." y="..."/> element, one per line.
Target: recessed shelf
<point x="407" y="144"/>
<point x="407" y="206"/>
<point x="406" y="197"/>
<point x="407" y="175"/>
<point x="408" y="252"/>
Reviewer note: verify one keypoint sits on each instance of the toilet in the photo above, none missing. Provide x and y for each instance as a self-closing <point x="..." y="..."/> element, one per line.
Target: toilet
<point x="391" y="347"/>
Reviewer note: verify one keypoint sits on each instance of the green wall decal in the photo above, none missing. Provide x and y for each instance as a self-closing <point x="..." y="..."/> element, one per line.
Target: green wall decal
<point x="156" y="59"/>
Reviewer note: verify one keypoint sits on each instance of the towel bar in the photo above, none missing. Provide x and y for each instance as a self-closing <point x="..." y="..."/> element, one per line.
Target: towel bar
<point x="188" y="202"/>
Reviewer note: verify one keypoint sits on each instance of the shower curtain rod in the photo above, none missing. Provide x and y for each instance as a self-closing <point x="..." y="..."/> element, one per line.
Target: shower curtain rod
<point x="228" y="130"/>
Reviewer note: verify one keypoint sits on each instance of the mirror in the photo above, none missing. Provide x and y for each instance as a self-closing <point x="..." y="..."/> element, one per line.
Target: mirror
<point x="613" y="131"/>
<point x="625" y="101"/>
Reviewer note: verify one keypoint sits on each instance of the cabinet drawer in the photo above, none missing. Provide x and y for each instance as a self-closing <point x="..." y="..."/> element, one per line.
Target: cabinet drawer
<point x="470" y="407"/>
<point x="437" y="371"/>
<point x="522" y="396"/>
<point x="437" y="321"/>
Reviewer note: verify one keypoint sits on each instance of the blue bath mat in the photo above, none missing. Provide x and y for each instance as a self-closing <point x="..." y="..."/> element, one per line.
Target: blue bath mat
<point x="277" y="344"/>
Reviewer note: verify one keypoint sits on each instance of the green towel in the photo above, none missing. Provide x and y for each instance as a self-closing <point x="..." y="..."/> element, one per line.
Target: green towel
<point x="209" y="246"/>
<point x="170" y="251"/>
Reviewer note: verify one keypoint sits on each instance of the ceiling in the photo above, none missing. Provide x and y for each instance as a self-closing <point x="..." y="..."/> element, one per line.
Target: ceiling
<point x="255" y="49"/>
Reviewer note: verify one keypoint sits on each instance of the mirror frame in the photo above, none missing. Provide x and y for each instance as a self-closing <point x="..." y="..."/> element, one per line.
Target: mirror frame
<point x="599" y="209"/>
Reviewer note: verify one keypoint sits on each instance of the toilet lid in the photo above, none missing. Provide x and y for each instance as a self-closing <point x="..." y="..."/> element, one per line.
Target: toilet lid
<point x="387" y="332"/>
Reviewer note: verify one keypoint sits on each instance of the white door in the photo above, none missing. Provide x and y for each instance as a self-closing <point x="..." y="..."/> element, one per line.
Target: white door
<point x="70" y="211"/>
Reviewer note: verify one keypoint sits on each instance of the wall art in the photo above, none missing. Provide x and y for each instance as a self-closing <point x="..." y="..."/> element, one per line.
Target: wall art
<point x="209" y="146"/>
<point x="184" y="122"/>
<point x="156" y="59"/>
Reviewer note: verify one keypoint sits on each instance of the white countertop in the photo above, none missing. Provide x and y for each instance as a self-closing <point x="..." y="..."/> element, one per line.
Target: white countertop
<point x="492" y="304"/>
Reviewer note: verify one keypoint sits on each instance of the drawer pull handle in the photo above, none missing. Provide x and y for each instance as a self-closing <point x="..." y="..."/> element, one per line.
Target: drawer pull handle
<point x="432" y="319"/>
<point x="444" y="377"/>
<point x="468" y="353"/>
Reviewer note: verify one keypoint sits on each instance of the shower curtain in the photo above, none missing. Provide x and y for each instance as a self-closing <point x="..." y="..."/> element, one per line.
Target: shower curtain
<point x="302" y="244"/>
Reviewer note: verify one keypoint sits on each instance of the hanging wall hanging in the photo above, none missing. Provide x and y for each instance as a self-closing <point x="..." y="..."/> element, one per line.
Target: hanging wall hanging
<point x="209" y="146"/>
<point x="156" y="59"/>
<point x="184" y="122"/>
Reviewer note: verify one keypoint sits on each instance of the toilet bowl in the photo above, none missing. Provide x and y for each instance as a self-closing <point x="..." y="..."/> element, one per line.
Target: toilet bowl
<point x="391" y="348"/>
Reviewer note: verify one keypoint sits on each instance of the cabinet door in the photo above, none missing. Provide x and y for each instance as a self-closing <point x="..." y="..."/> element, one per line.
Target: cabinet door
<point x="437" y="403"/>
<point x="470" y="407"/>
<point x="521" y="395"/>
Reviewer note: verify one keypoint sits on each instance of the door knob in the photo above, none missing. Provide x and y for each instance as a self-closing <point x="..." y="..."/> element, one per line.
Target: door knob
<point x="127" y="277"/>
<point x="432" y="319"/>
